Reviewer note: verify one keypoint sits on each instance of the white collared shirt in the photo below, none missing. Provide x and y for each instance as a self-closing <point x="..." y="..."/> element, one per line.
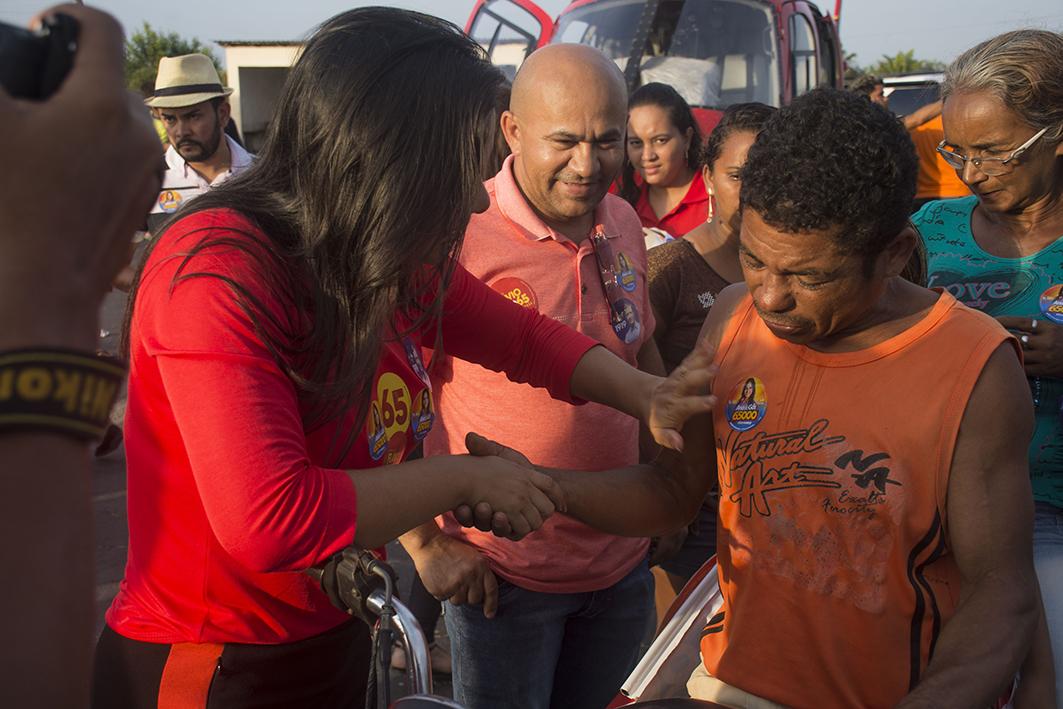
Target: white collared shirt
<point x="181" y="183"/>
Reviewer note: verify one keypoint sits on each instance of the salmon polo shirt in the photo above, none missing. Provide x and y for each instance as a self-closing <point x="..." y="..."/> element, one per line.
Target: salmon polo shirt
<point x="515" y="253"/>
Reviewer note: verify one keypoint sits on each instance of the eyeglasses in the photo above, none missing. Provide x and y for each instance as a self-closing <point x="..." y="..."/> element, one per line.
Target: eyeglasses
<point x="989" y="167"/>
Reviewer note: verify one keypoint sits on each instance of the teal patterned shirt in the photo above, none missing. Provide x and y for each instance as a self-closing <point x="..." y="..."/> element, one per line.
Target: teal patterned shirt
<point x="1031" y="286"/>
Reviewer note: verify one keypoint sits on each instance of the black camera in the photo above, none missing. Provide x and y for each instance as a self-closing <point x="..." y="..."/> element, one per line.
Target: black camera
<point x="34" y="64"/>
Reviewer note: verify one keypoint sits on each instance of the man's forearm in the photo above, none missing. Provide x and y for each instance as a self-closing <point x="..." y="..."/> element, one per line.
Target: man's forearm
<point x="647" y="500"/>
<point x="638" y="501"/>
<point x="922" y="115"/>
<point x="975" y="660"/>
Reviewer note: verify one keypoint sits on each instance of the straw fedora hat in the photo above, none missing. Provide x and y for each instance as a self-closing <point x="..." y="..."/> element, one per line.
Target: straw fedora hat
<point x="185" y="81"/>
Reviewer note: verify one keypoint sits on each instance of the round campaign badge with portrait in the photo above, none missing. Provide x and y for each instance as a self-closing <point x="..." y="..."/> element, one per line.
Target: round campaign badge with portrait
<point x="1052" y="304"/>
<point x="625" y="320"/>
<point x="422" y="415"/>
<point x="625" y="272"/>
<point x="747" y="405"/>
<point x="376" y="433"/>
<point x="169" y="201"/>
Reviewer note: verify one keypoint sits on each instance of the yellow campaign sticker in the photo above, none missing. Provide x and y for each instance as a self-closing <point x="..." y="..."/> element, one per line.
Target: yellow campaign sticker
<point x="394" y="399"/>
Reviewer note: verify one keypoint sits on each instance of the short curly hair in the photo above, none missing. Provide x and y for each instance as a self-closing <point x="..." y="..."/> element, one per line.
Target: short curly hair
<point x="832" y="160"/>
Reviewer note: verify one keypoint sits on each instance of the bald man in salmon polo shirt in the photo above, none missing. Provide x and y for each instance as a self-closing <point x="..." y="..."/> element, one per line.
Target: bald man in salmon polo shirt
<point x="556" y="619"/>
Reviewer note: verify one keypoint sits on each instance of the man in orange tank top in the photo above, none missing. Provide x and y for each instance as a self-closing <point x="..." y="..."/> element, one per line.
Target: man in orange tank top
<point x="875" y="541"/>
<point x="873" y="509"/>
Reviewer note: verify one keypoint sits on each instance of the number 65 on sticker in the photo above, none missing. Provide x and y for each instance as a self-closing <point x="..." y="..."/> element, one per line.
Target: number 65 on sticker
<point x="394" y="398"/>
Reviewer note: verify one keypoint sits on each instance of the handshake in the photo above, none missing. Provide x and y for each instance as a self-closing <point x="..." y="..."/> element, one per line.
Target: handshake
<point x="512" y="498"/>
<point x="516" y="499"/>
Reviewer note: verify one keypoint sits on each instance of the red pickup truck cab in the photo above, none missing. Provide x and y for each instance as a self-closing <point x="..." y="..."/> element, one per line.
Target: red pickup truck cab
<point x="714" y="52"/>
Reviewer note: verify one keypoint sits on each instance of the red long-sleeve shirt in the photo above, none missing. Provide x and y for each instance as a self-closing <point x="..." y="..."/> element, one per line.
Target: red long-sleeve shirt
<point x="230" y="498"/>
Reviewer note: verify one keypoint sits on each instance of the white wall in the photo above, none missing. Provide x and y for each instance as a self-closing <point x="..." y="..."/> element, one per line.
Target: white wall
<point x="260" y="90"/>
<point x="256" y="74"/>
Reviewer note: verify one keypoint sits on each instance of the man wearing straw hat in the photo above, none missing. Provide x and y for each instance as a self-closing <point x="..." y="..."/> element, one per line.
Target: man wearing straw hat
<point x="194" y="109"/>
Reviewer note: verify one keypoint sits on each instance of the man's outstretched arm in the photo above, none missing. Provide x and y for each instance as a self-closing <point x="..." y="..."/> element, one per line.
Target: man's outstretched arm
<point x="651" y="499"/>
<point x="922" y="115"/>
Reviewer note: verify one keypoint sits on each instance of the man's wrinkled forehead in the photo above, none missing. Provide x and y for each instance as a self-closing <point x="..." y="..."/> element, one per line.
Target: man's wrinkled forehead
<point x="760" y="240"/>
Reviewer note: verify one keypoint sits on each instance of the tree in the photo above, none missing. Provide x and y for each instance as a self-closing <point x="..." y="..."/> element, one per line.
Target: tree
<point x="853" y="70"/>
<point x="903" y="63"/>
<point x="146" y="47"/>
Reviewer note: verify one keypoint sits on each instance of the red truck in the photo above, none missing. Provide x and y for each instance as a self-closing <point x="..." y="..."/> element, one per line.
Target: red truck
<point x="714" y="52"/>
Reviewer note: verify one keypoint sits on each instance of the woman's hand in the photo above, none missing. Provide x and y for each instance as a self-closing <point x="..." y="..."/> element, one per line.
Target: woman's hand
<point x="684" y="394"/>
<point x="1042" y="345"/>
<point x="505" y="487"/>
<point x="482" y="515"/>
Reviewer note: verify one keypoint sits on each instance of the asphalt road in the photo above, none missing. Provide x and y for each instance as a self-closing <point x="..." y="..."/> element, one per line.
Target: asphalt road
<point x="109" y="507"/>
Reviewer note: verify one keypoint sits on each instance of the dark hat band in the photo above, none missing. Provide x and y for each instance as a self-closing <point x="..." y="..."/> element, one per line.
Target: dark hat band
<point x="189" y="89"/>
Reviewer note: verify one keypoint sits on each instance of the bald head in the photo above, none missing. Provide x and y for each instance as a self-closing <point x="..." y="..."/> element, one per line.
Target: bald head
<point x="565" y="126"/>
<point x="567" y="71"/>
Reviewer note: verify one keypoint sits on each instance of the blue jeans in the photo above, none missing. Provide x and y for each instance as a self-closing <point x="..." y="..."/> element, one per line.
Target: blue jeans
<point x="541" y="650"/>
<point x="1048" y="560"/>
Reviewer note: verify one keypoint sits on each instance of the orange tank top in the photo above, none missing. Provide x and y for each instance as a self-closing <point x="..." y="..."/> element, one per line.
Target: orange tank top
<point x="834" y="562"/>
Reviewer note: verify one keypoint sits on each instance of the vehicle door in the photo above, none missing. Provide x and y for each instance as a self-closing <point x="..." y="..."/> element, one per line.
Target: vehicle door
<point x="831" y="69"/>
<point x="801" y="66"/>
<point x="509" y="30"/>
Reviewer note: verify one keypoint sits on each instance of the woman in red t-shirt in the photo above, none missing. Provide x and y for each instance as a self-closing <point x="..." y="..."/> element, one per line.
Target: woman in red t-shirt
<point x="662" y="178"/>
<point x="275" y="347"/>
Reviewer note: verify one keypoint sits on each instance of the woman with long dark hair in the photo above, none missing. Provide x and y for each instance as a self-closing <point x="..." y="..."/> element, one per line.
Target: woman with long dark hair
<point x="274" y="339"/>
<point x="662" y="176"/>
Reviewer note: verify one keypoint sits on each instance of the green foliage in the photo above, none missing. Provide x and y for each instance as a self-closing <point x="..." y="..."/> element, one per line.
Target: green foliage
<point x="903" y="63"/>
<point x="853" y="70"/>
<point x="146" y="47"/>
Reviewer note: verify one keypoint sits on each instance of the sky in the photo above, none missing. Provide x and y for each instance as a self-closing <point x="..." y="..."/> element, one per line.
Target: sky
<point x="935" y="29"/>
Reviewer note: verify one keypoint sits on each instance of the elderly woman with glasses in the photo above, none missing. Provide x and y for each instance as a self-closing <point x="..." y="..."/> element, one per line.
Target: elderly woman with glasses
<point x="1001" y="250"/>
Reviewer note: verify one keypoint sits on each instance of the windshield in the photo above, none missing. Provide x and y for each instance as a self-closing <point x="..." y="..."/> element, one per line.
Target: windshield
<point x="908" y="99"/>
<point x="714" y="52"/>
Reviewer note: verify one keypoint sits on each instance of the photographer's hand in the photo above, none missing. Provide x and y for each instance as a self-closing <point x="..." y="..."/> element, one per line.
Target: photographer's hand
<point x="79" y="174"/>
<point x="81" y="171"/>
